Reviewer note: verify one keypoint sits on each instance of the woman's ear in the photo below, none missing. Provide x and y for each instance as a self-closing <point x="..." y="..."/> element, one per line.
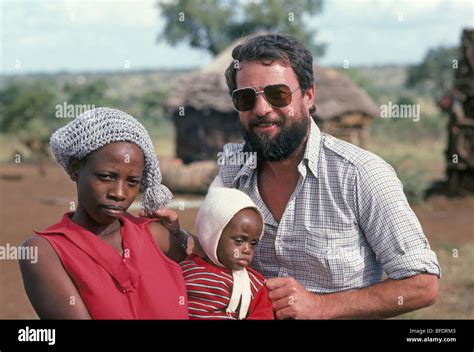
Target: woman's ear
<point x="75" y="167"/>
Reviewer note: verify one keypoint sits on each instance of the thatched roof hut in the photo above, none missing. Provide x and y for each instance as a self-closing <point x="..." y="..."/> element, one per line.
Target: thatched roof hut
<point x="205" y="119"/>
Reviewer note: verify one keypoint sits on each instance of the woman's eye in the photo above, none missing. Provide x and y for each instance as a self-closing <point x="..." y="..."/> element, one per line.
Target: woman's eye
<point x="104" y="177"/>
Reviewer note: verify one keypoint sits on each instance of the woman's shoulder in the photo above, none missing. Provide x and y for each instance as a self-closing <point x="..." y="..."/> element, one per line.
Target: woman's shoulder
<point x="39" y="242"/>
<point x="46" y="256"/>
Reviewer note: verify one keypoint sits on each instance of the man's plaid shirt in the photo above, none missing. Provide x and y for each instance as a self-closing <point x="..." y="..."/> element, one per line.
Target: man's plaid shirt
<point x="346" y="222"/>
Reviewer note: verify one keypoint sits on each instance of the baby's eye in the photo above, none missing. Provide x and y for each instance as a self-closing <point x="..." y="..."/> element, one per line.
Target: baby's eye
<point x="254" y="243"/>
<point x="239" y="241"/>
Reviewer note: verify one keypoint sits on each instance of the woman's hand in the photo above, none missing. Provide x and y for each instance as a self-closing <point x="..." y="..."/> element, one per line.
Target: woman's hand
<point x="169" y="219"/>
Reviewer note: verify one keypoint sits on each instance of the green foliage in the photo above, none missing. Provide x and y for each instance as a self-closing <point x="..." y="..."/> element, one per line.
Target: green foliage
<point x="32" y="107"/>
<point x="214" y="24"/>
<point x="90" y="93"/>
<point x="414" y="149"/>
<point x="435" y="75"/>
<point x="361" y="80"/>
<point x="151" y="103"/>
<point x="26" y="107"/>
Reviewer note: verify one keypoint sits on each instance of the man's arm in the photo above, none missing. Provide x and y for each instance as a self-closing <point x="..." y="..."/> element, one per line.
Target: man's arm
<point x="48" y="286"/>
<point x="384" y="300"/>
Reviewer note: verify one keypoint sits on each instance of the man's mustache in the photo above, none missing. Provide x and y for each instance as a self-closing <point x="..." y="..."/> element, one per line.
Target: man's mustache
<point x="258" y="120"/>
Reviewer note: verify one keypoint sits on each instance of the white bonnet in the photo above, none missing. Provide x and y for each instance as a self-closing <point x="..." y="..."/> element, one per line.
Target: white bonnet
<point x="219" y="207"/>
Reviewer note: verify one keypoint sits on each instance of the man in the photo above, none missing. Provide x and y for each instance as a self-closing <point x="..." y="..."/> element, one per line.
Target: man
<point x="336" y="217"/>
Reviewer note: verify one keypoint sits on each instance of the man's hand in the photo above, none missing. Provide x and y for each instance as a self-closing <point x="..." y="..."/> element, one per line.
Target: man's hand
<point x="291" y="300"/>
<point x="168" y="217"/>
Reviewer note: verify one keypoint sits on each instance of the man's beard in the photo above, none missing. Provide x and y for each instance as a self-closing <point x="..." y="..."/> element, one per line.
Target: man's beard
<point x="279" y="147"/>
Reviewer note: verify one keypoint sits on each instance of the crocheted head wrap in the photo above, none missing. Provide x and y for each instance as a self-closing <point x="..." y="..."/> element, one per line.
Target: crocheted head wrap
<point x="96" y="128"/>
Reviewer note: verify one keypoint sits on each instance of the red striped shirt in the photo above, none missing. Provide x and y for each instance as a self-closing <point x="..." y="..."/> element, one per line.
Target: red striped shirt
<point x="210" y="288"/>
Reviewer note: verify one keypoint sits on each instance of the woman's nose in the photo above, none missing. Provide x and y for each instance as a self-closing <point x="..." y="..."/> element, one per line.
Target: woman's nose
<point x="117" y="190"/>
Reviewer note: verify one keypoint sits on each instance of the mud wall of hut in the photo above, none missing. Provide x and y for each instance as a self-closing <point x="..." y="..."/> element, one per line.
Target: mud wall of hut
<point x="200" y="135"/>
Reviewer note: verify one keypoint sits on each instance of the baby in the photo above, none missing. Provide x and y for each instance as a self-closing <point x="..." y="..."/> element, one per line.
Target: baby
<point x="221" y="285"/>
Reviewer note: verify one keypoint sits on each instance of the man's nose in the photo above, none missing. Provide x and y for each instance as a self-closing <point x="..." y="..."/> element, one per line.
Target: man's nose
<point x="261" y="107"/>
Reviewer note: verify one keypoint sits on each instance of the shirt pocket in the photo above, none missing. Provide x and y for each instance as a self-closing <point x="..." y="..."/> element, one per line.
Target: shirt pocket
<point x="338" y="254"/>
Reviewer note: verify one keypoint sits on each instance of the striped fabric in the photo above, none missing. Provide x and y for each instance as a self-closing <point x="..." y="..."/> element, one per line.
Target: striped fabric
<point x="210" y="288"/>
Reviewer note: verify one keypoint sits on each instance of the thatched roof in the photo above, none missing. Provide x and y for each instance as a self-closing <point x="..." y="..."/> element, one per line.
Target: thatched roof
<point x="337" y="94"/>
<point x="206" y="90"/>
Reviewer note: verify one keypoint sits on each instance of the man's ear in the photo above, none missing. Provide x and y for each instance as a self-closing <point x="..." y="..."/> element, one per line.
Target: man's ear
<point x="75" y="167"/>
<point x="308" y="98"/>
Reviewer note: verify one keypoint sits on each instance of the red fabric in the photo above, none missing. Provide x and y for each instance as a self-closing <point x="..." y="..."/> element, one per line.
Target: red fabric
<point x="210" y="288"/>
<point x="141" y="284"/>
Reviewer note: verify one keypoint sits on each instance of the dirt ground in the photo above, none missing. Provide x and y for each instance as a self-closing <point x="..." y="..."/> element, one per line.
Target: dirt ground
<point x="30" y="201"/>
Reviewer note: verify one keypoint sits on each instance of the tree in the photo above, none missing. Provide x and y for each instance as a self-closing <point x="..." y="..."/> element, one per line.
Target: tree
<point x="23" y="105"/>
<point x="214" y="24"/>
<point x="90" y="93"/>
<point x="435" y="74"/>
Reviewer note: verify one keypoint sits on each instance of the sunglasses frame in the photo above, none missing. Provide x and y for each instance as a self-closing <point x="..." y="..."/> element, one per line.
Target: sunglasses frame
<point x="257" y="92"/>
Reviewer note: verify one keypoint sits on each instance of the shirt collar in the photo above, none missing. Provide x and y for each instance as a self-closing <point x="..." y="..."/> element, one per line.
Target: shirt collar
<point x="246" y="171"/>
<point x="311" y="153"/>
<point x="102" y="252"/>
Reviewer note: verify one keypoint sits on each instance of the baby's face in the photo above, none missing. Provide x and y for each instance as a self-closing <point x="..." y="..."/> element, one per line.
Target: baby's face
<point x="239" y="238"/>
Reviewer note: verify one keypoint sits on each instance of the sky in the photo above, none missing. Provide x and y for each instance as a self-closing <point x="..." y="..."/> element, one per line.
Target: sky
<point x="76" y="36"/>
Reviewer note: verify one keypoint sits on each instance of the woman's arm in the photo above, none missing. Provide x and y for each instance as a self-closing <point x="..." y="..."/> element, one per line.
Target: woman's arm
<point x="168" y="243"/>
<point x="48" y="286"/>
<point x="169" y="219"/>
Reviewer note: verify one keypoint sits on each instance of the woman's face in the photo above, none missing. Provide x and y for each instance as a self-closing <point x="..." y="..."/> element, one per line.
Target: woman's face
<point x="108" y="180"/>
<point x="239" y="238"/>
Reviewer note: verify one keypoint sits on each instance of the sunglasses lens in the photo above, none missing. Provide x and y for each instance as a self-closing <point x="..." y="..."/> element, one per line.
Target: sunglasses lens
<point x="244" y="99"/>
<point x="278" y="95"/>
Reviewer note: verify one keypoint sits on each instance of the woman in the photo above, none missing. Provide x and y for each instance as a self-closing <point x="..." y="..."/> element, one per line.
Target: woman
<point x="100" y="262"/>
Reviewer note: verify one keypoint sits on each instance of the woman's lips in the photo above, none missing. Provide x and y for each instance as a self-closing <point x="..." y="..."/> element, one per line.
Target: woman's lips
<point x="112" y="211"/>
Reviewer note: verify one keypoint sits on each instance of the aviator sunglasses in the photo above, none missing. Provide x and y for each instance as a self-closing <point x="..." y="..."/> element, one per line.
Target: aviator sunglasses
<point x="277" y="95"/>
